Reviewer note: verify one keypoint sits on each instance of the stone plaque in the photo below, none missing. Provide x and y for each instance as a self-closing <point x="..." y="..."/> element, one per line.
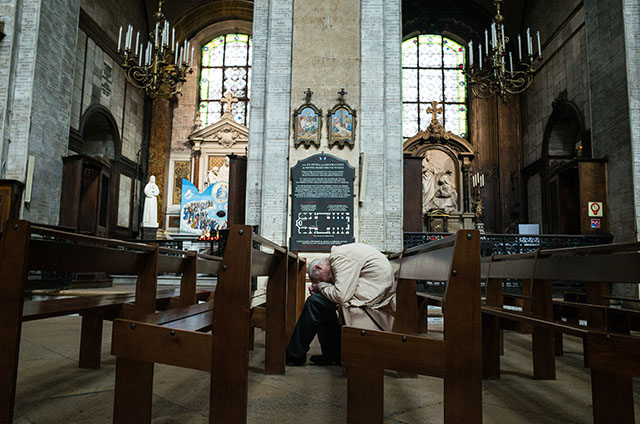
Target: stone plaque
<point x="322" y="203"/>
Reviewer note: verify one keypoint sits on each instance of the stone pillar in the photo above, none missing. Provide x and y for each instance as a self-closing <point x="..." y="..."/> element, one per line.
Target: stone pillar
<point x="37" y="60"/>
<point x="610" y="120"/>
<point x="614" y="62"/>
<point x="268" y="161"/>
<point x="381" y="123"/>
<point x="159" y="147"/>
<point x="631" y="10"/>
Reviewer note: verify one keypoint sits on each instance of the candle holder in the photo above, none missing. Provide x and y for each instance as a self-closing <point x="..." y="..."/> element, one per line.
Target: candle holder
<point x="494" y="72"/>
<point x="477" y="184"/>
<point x="160" y="67"/>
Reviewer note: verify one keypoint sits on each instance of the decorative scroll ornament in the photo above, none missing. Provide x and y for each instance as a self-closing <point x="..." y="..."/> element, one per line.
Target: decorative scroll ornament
<point x="341" y="123"/>
<point x="307" y="123"/>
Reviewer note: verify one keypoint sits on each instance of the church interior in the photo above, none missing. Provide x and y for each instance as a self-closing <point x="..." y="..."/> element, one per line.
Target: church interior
<point x="489" y="142"/>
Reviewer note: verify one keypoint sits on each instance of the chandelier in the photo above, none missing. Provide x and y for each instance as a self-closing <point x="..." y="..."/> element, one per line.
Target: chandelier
<point x="160" y="67"/>
<point x="494" y="71"/>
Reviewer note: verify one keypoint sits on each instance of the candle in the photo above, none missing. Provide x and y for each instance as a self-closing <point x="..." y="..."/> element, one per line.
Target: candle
<point x="539" y="46"/>
<point x="482" y="180"/>
<point x="511" y="62"/>
<point x="155" y="40"/>
<point x="494" y="38"/>
<point x="191" y="64"/>
<point x="140" y="57"/>
<point x="529" y="41"/>
<point x="173" y="39"/>
<point x="519" y="48"/>
<point x="137" y="41"/>
<point x="486" y="41"/>
<point x="502" y="33"/>
<point x="470" y="54"/>
<point x="119" y="39"/>
<point x="480" y="55"/>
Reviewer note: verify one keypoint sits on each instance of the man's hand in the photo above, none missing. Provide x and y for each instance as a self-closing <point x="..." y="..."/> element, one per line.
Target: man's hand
<point x="313" y="288"/>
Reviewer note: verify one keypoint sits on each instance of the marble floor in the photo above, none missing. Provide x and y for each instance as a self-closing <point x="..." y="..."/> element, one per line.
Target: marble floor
<point x="51" y="389"/>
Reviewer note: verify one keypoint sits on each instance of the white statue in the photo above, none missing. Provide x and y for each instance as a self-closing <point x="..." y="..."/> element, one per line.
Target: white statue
<point x="213" y="176"/>
<point x="446" y="197"/>
<point x="429" y="182"/>
<point x="224" y="170"/>
<point x="150" y="214"/>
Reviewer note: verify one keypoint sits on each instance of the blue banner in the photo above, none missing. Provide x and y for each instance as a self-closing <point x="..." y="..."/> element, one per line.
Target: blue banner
<point x="206" y="212"/>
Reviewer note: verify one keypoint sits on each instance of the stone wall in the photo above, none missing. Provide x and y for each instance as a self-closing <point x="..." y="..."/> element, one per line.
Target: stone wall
<point x="326" y="59"/>
<point x="610" y="119"/>
<point x="564" y="68"/>
<point x="563" y="34"/>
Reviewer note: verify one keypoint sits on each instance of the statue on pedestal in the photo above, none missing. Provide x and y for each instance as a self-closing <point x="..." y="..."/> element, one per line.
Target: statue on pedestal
<point x="150" y="213"/>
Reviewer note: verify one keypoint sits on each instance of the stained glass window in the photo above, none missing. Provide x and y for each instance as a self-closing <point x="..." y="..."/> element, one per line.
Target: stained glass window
<point x="432" y="70"/>
<point x="225" y="68"/>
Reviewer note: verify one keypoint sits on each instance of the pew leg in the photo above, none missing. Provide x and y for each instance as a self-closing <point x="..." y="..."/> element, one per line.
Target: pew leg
<point x="133" y="391"/>
<point x="612" y="396"/>
<point x="491" y="338"/>
<point x="252" y="338"/>
<point x="559" y="344"/>
<point x="544" y="359"/>
<point x="365" y="395"/>
<point x="91" y="340"/>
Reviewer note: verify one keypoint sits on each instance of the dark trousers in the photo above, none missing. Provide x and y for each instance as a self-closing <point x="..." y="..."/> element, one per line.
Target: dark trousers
<point x="318" y="317"/>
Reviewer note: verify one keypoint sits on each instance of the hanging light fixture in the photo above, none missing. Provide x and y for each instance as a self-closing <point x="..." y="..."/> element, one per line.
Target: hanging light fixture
<point x="160" y="67"/>
<point x="494" y="71"/>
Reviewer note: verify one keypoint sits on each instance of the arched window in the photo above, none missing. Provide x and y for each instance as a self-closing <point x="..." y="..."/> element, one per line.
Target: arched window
<point x="226" y="68"/>
<point x="432" y="71"/>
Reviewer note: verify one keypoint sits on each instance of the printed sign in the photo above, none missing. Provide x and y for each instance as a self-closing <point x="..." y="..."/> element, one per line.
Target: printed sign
<point x="595" y="208"/>
<point x="203" y="213"/>
<point x="595" y="223"/>
<point x="322" y="199"/>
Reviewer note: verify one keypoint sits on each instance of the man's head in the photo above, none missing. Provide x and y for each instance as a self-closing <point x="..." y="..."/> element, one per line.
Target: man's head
<point x="320" y="271"/>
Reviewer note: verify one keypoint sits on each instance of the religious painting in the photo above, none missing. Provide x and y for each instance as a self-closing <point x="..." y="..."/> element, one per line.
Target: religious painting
<point x="204" y="213"/>
<point x="181" y="170"/>
<point x="439" y="183"/>
<point x="306" y="123"/>
<point x="341" y="123"/>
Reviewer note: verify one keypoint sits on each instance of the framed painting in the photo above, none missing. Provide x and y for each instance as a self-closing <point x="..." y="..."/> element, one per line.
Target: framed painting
<point x="341" y="123"/>
<point x="306" y="124"/>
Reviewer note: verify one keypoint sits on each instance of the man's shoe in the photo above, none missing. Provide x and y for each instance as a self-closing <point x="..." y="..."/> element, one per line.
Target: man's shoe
<point x="295" y="362"/>
<point x="324" y="360"/>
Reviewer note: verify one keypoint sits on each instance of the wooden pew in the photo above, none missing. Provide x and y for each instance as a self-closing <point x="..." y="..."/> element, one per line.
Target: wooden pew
<point x="612" y="390"/>
<point x="25" y="248"/>
<point x="367" y="349"/>
<point x="181" y="336"/>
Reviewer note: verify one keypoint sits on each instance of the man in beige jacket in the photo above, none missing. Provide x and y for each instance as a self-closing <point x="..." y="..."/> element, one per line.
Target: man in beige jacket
<point x="354" y="274"/>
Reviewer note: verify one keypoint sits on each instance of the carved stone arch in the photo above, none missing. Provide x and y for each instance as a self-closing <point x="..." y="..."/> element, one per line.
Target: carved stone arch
<point x="99" y="133"/>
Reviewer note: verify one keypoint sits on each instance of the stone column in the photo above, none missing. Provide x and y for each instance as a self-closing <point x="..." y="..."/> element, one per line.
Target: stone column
<point x="631" y="10"/>
<point x="381" y="123"/>
<point x="37" y="64"/>
<point x="159" y="147"/>
<point x="268" y="161"/>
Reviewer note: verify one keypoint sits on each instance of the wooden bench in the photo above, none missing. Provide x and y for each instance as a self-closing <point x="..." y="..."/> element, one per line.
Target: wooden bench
<point x="24" y="248"/>
<point x="181" y="336"/>
<point x="367" y="349"/>
<point x="607" y="354"/>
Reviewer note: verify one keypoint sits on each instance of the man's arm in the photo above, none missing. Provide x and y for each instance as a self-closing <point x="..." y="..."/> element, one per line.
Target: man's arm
<point x="345" y="272"/>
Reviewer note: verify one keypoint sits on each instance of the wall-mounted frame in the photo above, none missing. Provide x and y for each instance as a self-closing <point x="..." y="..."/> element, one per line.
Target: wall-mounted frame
<point x="307" y="123"/>
<point x="341" y="123"/>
